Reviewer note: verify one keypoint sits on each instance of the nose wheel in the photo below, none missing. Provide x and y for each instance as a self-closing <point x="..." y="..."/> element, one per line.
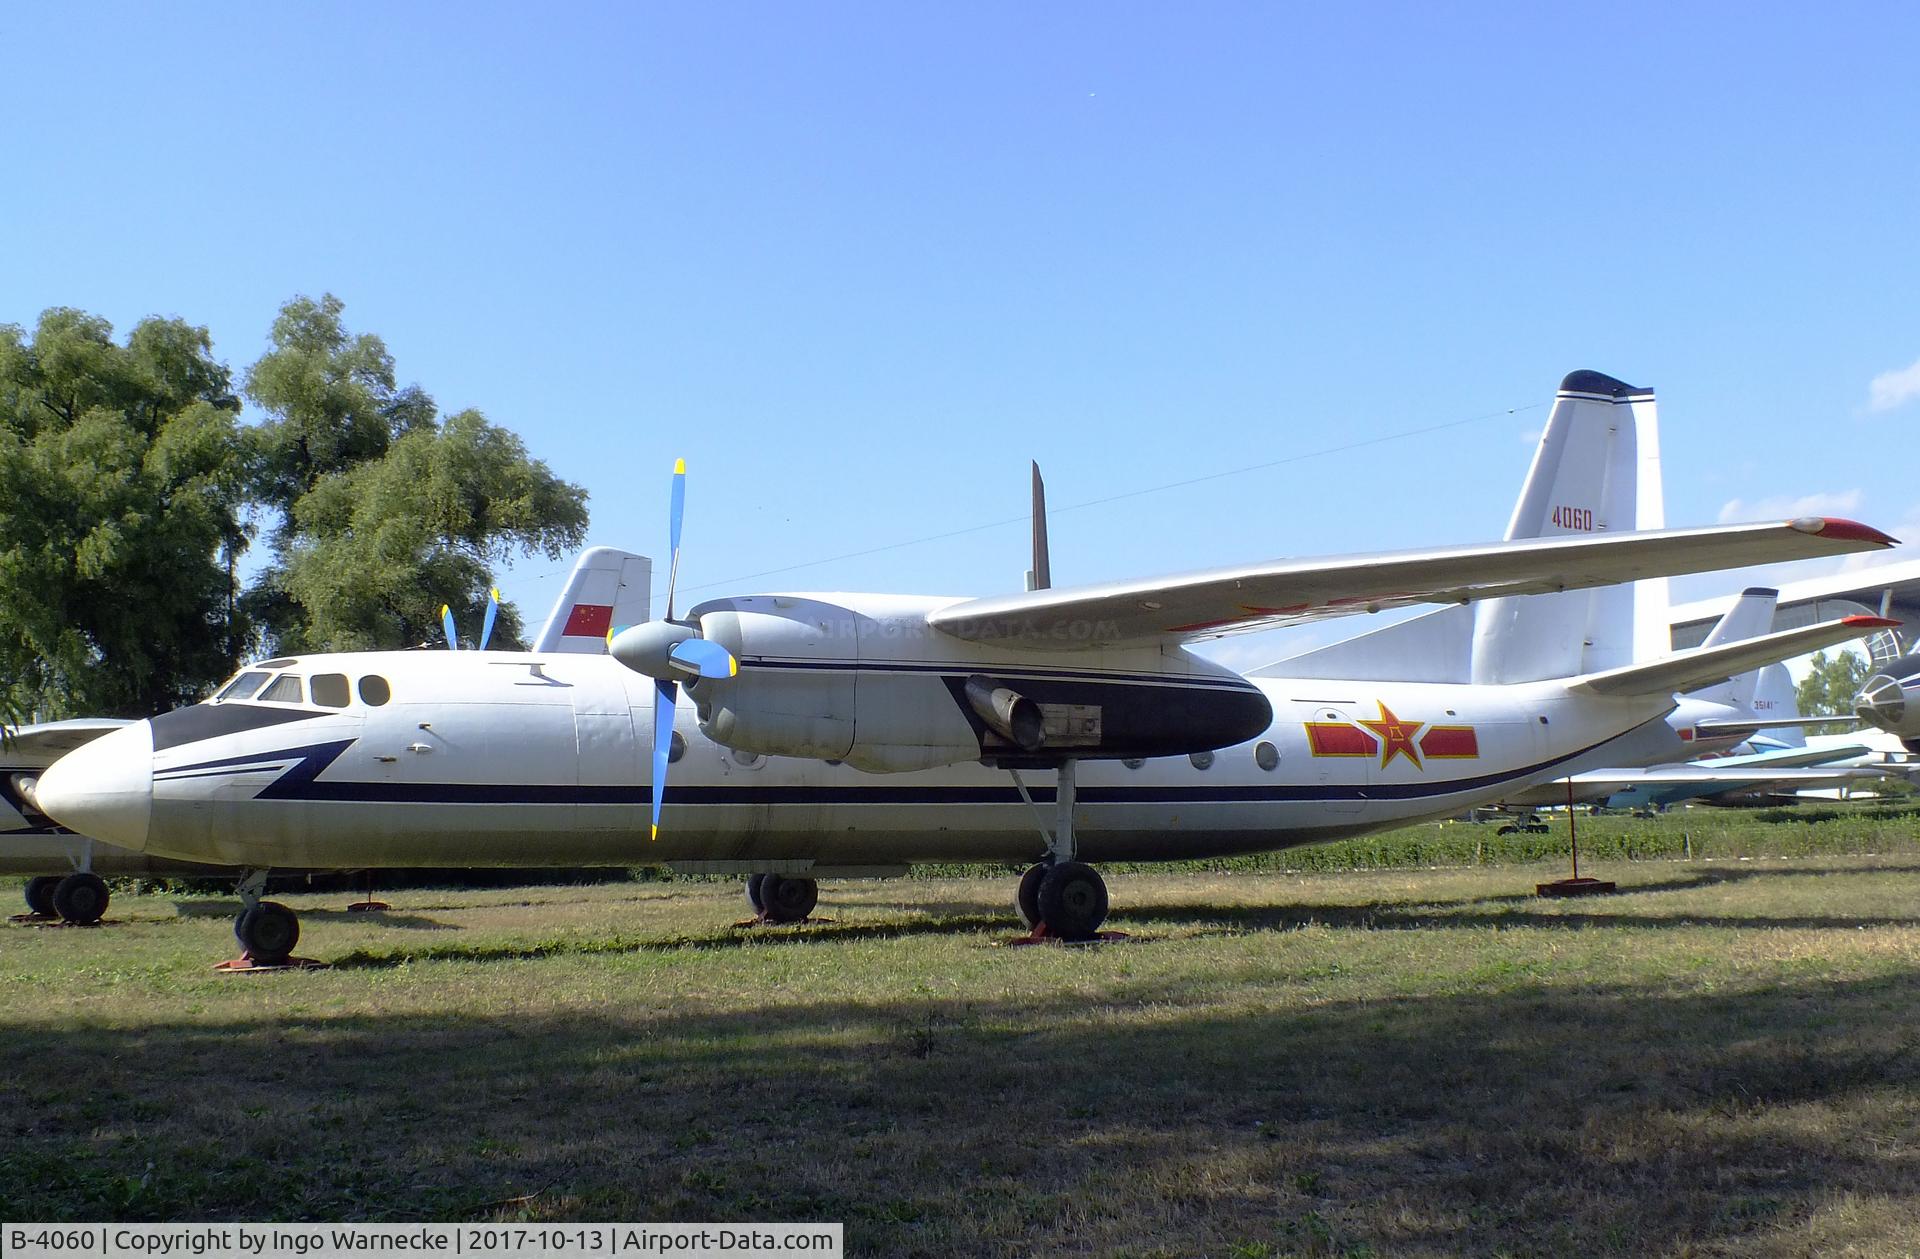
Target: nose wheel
<point x="267" y="933"/>
<point x="266" y="930"/>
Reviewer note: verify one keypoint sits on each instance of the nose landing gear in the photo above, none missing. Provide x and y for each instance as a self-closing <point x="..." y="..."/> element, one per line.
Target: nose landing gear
<point x="266" y="930"/>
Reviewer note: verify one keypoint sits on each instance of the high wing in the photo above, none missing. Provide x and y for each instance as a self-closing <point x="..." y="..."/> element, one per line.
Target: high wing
<point x="1284" y="592"/>
<point x="47" y="742"/>
<point x="1704" y="666"/>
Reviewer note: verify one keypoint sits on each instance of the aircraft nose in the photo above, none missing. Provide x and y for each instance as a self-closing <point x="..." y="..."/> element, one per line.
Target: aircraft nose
<point x="104" y="789"/>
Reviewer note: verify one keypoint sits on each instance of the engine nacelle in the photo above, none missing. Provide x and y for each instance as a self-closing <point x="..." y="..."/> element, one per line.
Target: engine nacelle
<point x="876" y="687"/>
<point x="1890" y="699"/>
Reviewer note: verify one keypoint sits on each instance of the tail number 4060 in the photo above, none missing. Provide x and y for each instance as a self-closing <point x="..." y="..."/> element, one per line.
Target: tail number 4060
<point x="1580" y="518"/>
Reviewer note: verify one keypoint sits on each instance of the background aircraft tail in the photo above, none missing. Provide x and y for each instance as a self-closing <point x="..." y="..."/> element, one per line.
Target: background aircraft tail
<point x="607" y="588"/>
<point x="1776" y="696"/>
<point x="1750" y="616"/>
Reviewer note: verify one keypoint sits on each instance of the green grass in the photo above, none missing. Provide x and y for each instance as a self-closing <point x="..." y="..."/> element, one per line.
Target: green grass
<point x="1721" y="1060"/>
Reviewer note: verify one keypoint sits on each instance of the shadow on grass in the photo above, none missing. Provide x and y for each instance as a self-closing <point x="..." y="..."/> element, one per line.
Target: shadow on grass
<point x="1624" y="1120"/>
<point x="384" y="918"/>
<point x="798" y="934"/>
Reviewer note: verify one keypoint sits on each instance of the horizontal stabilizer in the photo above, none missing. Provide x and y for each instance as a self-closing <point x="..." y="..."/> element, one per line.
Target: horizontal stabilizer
<point x="47" y="742"/>
<point x="1213" y="602"/>
<point x="1707" y="666"/>
<point x="1774" y="723"/>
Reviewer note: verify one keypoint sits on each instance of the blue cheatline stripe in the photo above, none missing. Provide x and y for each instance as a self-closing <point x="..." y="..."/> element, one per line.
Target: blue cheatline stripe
<point x="301" y="782"/>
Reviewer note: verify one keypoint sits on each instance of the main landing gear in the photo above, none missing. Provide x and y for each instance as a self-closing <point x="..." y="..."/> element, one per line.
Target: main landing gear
<point x="1528" y="825"/>
<point x="781" y="897"/>
<point x="79" y="898"/>
<point x="1061" y="898"/>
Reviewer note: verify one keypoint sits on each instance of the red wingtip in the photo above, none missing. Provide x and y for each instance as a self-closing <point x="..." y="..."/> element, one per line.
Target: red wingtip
<point x="1843" y="530"/>
<point x="1869" y="622"/>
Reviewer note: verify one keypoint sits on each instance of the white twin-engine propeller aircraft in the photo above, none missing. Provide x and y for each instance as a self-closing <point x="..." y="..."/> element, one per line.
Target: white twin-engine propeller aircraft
<point x="859" y="733"/>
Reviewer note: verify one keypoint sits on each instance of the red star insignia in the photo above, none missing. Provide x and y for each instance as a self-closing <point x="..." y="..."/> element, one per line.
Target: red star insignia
<point x="1396" y="737"/>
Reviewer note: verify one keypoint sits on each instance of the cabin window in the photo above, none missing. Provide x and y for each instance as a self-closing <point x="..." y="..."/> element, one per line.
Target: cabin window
<point x="1265" y="755"/>
<point x="285" y="690"/>
<point x="243" y="686"/>
<point x="330" y="690"/>
<point x="677" y="748"/>
<point x="1202" y="760"/>
<point x="1133" y="762"/>
<point x="374" y="690"/>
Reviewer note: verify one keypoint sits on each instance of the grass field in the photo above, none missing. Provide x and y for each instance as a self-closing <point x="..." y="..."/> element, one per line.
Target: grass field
<point x="1720" y="1060"/>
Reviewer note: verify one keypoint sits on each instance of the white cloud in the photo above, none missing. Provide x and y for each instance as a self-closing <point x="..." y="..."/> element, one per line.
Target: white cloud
<point x="1896" y="388"/>
<point x="1840" y="503"/>
<point x="1531" y="436"/>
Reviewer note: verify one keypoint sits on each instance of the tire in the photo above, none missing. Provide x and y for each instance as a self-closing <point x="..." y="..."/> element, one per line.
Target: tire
<point x="754" y="883"/>
<point x="1073" y="901"/>
<point x="40" y="895"/>
<point x="1027" y="899"/>
<point x="80" y="898"/>
<point x="267" y="932"/>
<point x="788" y="900"/>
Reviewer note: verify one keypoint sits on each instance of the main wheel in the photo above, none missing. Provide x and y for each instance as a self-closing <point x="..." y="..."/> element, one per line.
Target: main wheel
<point x="80" y="897"/>
<point x="267" y="932"/>
<point x="788" y="900"/>
<point x="1073" y="901"/>
<point x="40" y="894"/>
<point x="1028" y="897"/>
<point x="754" y="883"/>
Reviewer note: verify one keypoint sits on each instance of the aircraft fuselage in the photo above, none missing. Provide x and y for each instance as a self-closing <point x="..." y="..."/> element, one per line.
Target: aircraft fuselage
<point x="477" y="759"/>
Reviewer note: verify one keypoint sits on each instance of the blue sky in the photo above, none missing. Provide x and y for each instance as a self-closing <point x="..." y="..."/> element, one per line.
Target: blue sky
<point x="859" y="263"/>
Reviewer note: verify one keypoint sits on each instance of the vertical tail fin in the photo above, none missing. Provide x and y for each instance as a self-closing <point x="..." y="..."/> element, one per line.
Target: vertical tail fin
<point x="1597" y="469"/>
<point x="1776" y="696"/>
<point x="607" y="589"/>
<point x="1750" y="616"/>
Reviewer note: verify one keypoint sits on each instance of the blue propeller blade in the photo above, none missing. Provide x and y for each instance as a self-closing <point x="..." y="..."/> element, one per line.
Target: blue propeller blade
<point x="663" y="698"/>
<point x="677" y="510"/>
<point x="493" y="613"/>
<point x="446" y="622"/>
<point x="700" y="658"/>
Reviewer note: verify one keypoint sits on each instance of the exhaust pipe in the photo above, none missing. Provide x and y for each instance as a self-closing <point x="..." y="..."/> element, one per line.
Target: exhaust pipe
<point x="1008" y="713"/>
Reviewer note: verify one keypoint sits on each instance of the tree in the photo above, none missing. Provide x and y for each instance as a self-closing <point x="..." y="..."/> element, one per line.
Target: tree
<point x="383" y="513"/>
<point x="1829" y="688"/>
<point x="121" y="480"/>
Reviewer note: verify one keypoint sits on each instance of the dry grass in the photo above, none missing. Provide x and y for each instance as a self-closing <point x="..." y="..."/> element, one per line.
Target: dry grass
<point x="1722" y="1060"/>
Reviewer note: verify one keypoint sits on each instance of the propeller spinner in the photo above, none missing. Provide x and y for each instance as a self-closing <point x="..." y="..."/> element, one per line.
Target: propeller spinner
<point x="668" y="651"/>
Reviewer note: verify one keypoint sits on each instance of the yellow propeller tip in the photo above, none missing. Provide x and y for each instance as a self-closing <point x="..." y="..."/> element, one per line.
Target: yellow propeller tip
<point x="679" y="467"/>
<point x="444" y="609"/>
<point x="656" y="833"/>
<point x="495" y="592"/>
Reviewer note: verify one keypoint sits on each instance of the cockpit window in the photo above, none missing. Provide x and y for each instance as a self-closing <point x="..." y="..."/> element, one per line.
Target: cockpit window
<point x="285" y="690"/>
<point x="374" y="690"/>
<point x="330" y="690"/>
<point x="243" y="686"/>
